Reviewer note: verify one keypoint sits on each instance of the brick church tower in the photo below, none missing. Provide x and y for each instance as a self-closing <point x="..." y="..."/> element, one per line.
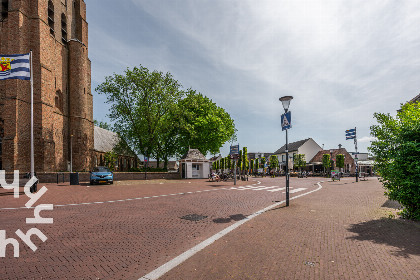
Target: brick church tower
<point x="57" y="33"/>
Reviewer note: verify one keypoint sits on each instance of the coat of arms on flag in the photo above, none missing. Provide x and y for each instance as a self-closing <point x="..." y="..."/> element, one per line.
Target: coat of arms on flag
<point x="15" y="66"/>
<point x="5" y="67"/>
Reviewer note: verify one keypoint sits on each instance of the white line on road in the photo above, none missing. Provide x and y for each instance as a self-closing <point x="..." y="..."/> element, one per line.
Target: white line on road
<point x="163" y="269"/>
<point x="276" y="190"/>
<point x="296" y="190"/>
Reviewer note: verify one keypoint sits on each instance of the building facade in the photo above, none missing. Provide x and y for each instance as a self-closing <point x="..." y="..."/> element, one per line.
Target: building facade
<point x="307" y="147"/>
<point x="57" y="33"/>
<point x="108" y="141"/>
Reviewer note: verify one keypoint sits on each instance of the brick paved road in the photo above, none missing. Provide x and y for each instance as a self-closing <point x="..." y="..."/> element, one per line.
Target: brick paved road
<point x="339" y="232"/>
<point x="125" y="231"/>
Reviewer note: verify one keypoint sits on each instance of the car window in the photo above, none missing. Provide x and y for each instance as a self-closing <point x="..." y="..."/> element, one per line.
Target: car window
<point x="101" y="169"/>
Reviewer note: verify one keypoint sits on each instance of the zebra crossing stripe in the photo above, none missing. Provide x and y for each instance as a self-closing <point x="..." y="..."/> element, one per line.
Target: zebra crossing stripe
<point x="297" y="190"/>
<point x="276" y="190"/>
<point x="263" y="188"/>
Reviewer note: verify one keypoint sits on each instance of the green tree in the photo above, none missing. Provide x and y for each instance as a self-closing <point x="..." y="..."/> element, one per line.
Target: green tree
<point x="299" y="161"/>
<point x="326" y="162"/>
<point x="339" y="161"/>
<point x="274" y="162"/>
<point x="240" y="161"/>
<point x="140" y="103"/>
<point x="257" y="164"/>
<point x="245" y="161"/>
<point x="397" y="156"/>
<point x="252" y="167"/>
<point x="110" y="158"/>
<point x="203" y="125"/>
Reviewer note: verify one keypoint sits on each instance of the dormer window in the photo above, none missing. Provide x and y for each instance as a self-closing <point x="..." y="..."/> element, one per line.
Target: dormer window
<point x="51" y="17"/>
<point x="63" y="28"/>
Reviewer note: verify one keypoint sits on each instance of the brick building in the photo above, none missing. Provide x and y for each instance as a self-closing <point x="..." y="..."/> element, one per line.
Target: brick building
<point x="107" y="141"/>
<point x="57" y="33"/>
<point x="315" y="164"/>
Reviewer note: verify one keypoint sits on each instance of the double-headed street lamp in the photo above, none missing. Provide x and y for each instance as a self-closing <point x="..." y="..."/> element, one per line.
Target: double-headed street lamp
<point x="285" y="100"/>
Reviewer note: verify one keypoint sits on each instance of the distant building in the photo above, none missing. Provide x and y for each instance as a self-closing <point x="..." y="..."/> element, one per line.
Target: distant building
<point x="259" y="155"/>
<point x="307" y="147"/>
<point x="315" y="164"/>
<point x="107" y="141"/>
<point x="360" y="156"/>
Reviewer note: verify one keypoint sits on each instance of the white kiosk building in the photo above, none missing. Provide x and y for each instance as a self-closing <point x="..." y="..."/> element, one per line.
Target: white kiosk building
<point x="194" y="165"/>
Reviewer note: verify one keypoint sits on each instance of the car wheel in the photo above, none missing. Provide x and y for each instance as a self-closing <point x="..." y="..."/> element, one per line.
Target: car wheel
<point x="92" y="182"/>
<point x="112" y="182"/>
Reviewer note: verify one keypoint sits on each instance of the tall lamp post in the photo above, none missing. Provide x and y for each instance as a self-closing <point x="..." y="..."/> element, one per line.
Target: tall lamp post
<point x="285" y="100"/>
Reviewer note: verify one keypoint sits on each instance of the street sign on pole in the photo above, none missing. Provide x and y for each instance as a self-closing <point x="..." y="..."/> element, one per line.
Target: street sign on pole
<point x="286" y="120"/>
<point x="234" y="150"/>
<point x="351" y="134"/>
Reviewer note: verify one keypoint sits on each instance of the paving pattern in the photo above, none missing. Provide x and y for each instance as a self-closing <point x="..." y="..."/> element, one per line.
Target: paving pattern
<point x="126" y="231"/>
<point x="121" y="232"/>
<point x="344" y="231"/>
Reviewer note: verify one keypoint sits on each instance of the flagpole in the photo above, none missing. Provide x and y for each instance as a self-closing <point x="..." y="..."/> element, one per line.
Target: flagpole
<point x="32" y="122"/>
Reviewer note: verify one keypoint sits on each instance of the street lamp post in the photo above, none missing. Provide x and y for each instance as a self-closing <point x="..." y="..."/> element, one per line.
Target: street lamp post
<point x="285" y="100"/>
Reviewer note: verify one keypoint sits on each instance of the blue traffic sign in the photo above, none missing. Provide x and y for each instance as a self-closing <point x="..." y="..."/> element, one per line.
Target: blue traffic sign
<point x="286" y="120"/>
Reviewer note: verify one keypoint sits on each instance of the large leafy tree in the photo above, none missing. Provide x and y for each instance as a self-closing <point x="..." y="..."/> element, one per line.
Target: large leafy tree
<point x="140" y="103"/>
<point x="397" y="156"/>
<point x="203" y="125"/>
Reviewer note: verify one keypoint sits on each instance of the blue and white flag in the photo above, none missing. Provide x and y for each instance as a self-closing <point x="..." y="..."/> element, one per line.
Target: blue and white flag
<point x="350" y="134"/>
<point x="15" y="66"/>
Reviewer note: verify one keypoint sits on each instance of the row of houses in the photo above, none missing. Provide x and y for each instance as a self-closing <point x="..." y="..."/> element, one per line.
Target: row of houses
<point x="195" y="165"/>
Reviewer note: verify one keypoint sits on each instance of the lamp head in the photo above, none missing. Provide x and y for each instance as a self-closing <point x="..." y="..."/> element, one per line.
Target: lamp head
<point x="285" y="100"/>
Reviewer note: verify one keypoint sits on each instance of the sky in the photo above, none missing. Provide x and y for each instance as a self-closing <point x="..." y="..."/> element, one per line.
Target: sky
<point x="342" y="61"/>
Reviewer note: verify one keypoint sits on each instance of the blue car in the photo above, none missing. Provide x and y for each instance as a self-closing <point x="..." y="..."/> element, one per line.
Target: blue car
<point x="101" y="174"/>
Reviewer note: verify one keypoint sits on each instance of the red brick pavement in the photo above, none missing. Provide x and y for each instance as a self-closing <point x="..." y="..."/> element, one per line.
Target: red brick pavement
<point x="125" y="239"/>
<point x="339" y="232"/>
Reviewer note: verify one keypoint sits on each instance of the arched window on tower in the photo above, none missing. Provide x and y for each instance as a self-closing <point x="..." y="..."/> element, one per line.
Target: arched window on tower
<point x="51" y="16"/>
<point x="63" y="28"/>
<point x="4" y="9"/>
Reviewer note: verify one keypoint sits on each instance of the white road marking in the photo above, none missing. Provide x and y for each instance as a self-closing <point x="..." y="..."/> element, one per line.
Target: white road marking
<point x="276" y="190"/>
<point x="163" y="269"/>
<point x="296" y="190"/>
<point x="264" y="188"/>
